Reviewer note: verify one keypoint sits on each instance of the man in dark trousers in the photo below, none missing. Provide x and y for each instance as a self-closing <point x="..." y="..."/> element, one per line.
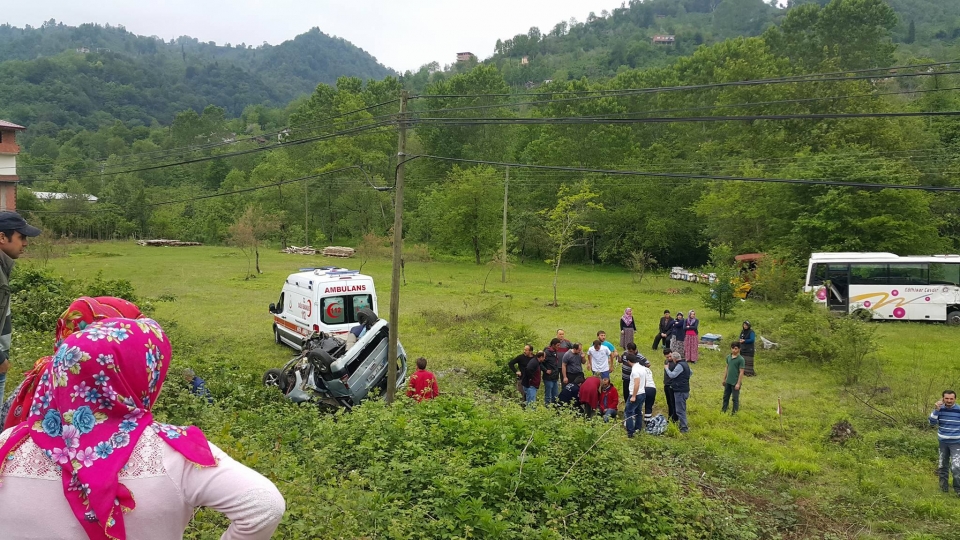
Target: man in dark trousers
<point x="665" y="333"/>
<point x="571" y="365"/>
<point x="627" y="361"/>
<point x="518" y="364"/>
<point x="589" y="395"/>
<point x="733" y="378"/>
<point x="551" y="372"/>
<point x="14" y="235"/>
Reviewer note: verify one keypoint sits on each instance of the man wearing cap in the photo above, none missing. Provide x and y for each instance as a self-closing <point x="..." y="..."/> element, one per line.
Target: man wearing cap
<point x="14" y="232"/>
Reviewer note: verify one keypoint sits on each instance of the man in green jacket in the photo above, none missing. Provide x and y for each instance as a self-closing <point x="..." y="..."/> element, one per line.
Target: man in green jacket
<point x="14" y="232"/>
<point x="733" y="378"/>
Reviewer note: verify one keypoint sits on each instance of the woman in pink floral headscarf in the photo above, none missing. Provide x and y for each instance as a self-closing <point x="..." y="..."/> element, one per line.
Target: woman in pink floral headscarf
<point x="91" y="448"/>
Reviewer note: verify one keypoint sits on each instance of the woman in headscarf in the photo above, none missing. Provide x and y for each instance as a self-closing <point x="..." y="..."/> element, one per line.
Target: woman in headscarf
<point x="747" y="340"/>
<point x="679" y="331"/>
<point x="91" y="448"/>
<point x="80" y="313"/>
<point x="691" y="339"/>
<point x="628" y="327"/>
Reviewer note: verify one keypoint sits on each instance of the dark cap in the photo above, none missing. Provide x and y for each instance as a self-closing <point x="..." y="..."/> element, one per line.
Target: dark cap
<point x="12" y="221"/>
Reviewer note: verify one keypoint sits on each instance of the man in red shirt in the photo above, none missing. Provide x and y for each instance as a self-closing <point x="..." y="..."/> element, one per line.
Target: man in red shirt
<point x="609" y="400"/>
<point x="590" y="395"/>
<point x="423" y="384"/>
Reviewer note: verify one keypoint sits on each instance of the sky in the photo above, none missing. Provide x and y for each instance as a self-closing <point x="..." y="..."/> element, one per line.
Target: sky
<point x="401" y="34"/>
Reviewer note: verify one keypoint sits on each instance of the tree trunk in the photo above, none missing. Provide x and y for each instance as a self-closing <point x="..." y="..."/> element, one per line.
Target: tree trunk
<point x="476" y="249"/>
<point x="556" y="274"/>
<point x="256" y="251"/>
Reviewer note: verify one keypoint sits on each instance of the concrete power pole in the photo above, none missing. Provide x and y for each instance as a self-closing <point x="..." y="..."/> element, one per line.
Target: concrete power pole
<point x="503" y="256"/>
<point x="393" y="349"/>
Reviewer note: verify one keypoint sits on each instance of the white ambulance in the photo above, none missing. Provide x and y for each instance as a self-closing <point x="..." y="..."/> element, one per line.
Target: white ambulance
<point x="323" y="299"/>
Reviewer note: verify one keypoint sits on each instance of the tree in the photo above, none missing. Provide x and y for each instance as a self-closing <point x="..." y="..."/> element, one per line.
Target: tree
<point x="465" y="212"/>
<point x="911" y="33"/>
<point x="719" y="297"/>
<point x="250" y="229"/>
<point x="566" y="223"/>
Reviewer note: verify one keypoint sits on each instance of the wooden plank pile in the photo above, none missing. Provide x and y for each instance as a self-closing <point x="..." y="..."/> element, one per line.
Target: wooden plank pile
<point x="160" y="242"/>
<point x="295" y="250"/>
<point x="338" y="251"/>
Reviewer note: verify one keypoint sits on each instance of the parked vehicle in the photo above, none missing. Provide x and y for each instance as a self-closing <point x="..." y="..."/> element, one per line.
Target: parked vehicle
<point x="887" y="286"/>
<point x="340" y="371"/>
<point x="315" y="300"/>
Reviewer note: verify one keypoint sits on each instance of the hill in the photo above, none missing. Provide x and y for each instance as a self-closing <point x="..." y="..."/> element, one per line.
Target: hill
<point x="91" y="75"/>
<point x="624" y="38"/>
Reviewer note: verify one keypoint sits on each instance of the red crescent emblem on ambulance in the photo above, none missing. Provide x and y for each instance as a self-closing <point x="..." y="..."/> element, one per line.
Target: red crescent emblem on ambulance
<point x="334" y="310"/>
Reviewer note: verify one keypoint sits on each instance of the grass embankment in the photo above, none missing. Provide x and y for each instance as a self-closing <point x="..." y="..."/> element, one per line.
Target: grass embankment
<point x="453" y="467"/>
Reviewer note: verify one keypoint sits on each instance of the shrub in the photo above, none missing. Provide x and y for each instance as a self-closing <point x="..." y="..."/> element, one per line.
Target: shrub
<point x="776" y="280"/>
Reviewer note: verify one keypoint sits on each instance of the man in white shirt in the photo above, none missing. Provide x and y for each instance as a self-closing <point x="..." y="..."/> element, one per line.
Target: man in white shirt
<point x="634" y="408"/>
<point x="599" y="359"/>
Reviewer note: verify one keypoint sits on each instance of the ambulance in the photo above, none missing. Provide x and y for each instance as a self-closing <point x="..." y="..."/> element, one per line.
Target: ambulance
<point x="325" y="299"/>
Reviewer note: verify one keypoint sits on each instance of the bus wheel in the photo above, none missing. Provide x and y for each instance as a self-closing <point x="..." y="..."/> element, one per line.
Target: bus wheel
<point x="863" y="314"/>
<point x="953" y="318"/>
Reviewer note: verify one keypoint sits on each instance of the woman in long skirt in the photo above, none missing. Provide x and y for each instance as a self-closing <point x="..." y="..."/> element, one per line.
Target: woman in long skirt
<point x="628" y="327"/>
<point x="691" y="341"/>
<point x="679" y="331"/>
<point x="747" y="340"/>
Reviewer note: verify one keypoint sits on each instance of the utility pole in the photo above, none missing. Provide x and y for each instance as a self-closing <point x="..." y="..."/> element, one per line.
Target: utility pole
<point x="393" y="348"/>
<point x="503" y="256"/>
<point x="306" y="214"/>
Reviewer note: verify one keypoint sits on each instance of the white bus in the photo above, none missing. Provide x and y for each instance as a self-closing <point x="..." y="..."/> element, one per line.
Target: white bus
<point x="890" y="287"/>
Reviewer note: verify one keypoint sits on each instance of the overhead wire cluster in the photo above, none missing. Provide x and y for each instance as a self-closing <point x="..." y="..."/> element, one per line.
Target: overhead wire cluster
<point x="356" y="122"/>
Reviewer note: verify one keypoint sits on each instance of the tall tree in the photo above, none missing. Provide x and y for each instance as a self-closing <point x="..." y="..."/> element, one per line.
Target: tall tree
<point x="567" y="223"/>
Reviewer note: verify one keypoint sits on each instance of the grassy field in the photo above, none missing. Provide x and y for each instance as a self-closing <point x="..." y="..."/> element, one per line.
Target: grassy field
<point x="880" y="484"/>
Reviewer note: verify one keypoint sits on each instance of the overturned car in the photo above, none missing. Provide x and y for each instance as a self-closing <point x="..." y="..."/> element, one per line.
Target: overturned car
<point x="340" y="372"/>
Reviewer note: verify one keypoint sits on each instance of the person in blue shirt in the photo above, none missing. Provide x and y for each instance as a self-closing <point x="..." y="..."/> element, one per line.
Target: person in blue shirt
<point x="946" y="416"/>
<point x="198" y="386"/>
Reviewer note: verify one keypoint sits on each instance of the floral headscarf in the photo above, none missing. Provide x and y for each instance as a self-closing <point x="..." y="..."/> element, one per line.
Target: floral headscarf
<point x="627" y="316"/>
<point x="78" y="315"/>
<point x="692" y="316"/>
<point x="90" y="409"/>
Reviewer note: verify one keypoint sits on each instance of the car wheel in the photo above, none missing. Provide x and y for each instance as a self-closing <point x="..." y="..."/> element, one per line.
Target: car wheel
<point x="276" y="335"/>
<point x="953" y="318"/>
<point x="274" y="377"/>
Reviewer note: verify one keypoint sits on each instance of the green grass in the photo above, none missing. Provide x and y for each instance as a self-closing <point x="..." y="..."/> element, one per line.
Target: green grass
<point x="879" y="485"/>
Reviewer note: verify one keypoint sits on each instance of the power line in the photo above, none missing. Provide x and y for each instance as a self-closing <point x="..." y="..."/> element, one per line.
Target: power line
<point x="222" y="194"/>
<point x="705" y="107"/>
<point x="614" y="172"/>
<point x="824" y="77"/>
<point x="607" y="119"/>
<point x="354" y="131"/>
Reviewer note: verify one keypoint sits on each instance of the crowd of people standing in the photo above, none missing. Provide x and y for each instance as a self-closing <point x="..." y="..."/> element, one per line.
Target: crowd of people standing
<point x="560" y="368"/>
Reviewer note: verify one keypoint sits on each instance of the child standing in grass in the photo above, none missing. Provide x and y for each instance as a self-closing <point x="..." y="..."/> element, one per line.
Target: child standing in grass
<point x="733" y="378"/>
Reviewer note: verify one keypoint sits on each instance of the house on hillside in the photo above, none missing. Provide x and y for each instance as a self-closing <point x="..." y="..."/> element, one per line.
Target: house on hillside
<point x="83" y="50"/>
<point x="664" y="39"/>
<point x="465" y="56"/>
<point x="525" y="60"/>
<point x="8" y="164"/>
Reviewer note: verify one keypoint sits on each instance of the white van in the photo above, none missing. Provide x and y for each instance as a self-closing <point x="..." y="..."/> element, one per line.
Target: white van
<point x="320" y="300"/>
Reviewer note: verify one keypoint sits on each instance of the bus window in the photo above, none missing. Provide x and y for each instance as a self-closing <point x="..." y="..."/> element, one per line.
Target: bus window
<point x="868" y="274"/>
<point x="945" y="274"/>
<point x="908" y="274"/>
<point x="818" y="275"/>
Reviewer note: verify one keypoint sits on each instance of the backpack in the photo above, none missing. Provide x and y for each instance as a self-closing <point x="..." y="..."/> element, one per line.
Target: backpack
<point x="657" y="425"/>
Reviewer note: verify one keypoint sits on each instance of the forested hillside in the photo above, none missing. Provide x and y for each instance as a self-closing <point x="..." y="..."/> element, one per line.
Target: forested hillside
<point x="608" y="42"/>
<point x="59" y="76"/>
<point x="690" y="136"/>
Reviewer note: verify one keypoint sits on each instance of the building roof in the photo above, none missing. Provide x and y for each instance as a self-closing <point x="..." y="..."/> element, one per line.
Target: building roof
<point x="10" y="125"/>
